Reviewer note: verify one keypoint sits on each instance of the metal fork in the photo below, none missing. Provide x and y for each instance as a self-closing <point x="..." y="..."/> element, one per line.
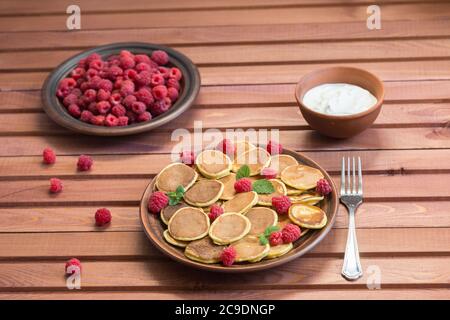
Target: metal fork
<point x="351" y="197"/>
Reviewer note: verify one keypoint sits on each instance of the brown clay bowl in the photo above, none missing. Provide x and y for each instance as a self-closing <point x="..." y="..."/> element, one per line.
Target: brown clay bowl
<point x="340" y="126"/>
<point x="190" y="86"/>
<point x="154" y="228"/>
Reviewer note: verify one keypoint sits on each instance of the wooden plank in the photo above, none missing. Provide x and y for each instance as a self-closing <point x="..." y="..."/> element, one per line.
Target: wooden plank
<point x="421" y="214"/>
<point x="126" y="244"/>
<point x="129" y="191"/>
<point x="302" y="273"/>
<point x="270" y="74"/>
<point x="263" y="53"/>
<point x="413" y="12"/>
<point x="302" y="32"/>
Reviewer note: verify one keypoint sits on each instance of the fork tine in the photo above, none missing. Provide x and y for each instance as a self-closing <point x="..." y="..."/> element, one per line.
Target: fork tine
<point x="349" y="184"/>
<point x="343" y="176"/>
<point x="360" y="190"/>
<point x="354" y="176"/>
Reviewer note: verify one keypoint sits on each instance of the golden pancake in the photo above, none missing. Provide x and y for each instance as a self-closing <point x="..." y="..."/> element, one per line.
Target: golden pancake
<point x="281" y="161"/>
<point x="175" y="242"/>
<point x="228" y="183"/>
<point x="204" y="250"/>
<point x="307" y="216"/>
<point x="188" y="224"/>
<point x="204" y="193"/>
<point x="261" y="218"/>
<point x="229" y="227"/>
<point x="241" y="202"/>
<point x="293" y="192"/>
<point x="280" y="190"/>
<point x="242" y="146"/>
<point x="283" y="220"/>
<point x="174" y="175"/>
<point x="169" y="211"/>
<point x="213" y="164"/>
<point x="278" y="251"/>
<point x="256" y="159"/>
<point x="301" y="177"/>
<point x="250" y="249"/>
<point x="306" y="199"/>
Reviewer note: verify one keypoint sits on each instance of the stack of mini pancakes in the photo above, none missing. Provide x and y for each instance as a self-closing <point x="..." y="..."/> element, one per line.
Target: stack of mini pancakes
<point x="246" y="215"/>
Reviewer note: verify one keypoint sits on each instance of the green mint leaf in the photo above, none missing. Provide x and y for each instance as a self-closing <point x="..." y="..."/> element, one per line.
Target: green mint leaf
<point x="243" y="172"/>
<point x="263" y="187"/>
<point x="270" y="229"/>
<point x="173" y="201"/>
<point x="180" y="191"/>
<point x="263" y="240"/>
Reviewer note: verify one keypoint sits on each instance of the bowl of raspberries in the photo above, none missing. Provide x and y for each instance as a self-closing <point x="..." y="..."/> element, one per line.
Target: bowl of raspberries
<point x="120" y="89"/>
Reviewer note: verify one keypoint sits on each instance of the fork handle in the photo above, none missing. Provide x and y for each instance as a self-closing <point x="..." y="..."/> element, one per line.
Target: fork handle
<point x="351" y="269"/>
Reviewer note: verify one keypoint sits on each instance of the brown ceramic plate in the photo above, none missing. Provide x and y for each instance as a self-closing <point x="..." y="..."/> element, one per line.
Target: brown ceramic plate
<point x="154" y="228"/>
<point x="190" y="86"/>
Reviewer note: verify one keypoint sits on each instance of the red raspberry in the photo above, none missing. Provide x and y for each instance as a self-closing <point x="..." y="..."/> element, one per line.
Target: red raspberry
<point x="274" y="147"/>
<point x="160" y="106"/>
<point x="144" y="95"/>
<point x="115" y="98"/>
<point x="127" y="88"/>
<point x="175" y="73"/>
<point x="226" y="146"/>
<point x="94" y="82"/>
<point x="323" y="187"/>
<point x="83" y="87"/>
<point x="130" y="74"/>
<point x="81" y="63"/>
<point x="48" y="156"/>
<point x="276" y="238"/>
<point x="68" y="83"/>
<point x="84" y="163"/>
<point x="114" y="71"/>
<point x="105" y="84"/>
<point x="281" y="204"/>
<point x="102" y="217"/>
<point x="70" y="99"/>
<point x="187" y="157"/>
<point x="156" y="80"/>
<point x="98" y="120"/>
<point x="160" y="57"/>
<point x="92" y="57"/>
<point x="144" y="78"/>
<point x="111" y="120"/>
<point x="103" y="107"/>
<point x="165" y="72"/>
<point x="76" y="92"/>
<point x="127" y="62"/>
<point x="228" y="256"/>
<point x="86" y="116"/>
<point x="142" y="58"/>
<point x="96" y="64"/>
<point x="269" y="173"/>
<point x="243" y="185"/>
<point x="214" y="212"/>
<point x="103" y="95"/>
<point x="159" y="92"/>
<point x="90" y="95"/>
<point x="145" y="116"/>
<point x="77" y="73"/>
<point x="118" y="110"/>
<point x="143" y="67"/>
<point x="55" y="185"/>
<point x="74" y="263"/>
<point x="128" y="101"/>
<point x="132" y="117"/>
<point x="74" y="110"/>
<point x="138" y="107"/>
<point x="290" y="233"/>
<point x="126" y="53"/>
<point x="172" y="93"/>
<point x="123" y="121"/>
<point x="157" y="201"/>
<point x="173" y="83"/>
<point x="118" y="82"/>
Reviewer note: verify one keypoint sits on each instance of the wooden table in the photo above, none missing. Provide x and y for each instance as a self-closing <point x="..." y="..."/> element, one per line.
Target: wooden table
<point x="250" y="55"/>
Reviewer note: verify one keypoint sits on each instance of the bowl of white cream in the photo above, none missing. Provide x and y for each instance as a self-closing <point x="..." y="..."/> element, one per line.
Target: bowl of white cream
<point x="340" y="102"/>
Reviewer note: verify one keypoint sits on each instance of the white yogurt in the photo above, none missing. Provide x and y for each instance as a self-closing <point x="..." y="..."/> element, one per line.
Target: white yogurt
<point x="338" y="99"/>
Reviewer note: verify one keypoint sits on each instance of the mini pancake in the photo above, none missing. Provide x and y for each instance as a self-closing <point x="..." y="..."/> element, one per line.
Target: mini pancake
<point x="250" y="249"/>
<point x="306" y="199"/>
<point x="307" y="216"/>
<point x="204" y="250"/>
<point x="174" y="175"/>
<point x="213" y="164"/>
<point x="175" y="242"/>
<point x="261" y="218"/>
<point x="280" y="162"/>
<point x="241" y="202"/>
<point x="283" y="220"/>
<point x="256" y="159"/>
<point x="169" y="211"/>
<point x="278" y="251"/>
<point x="301" y="177"/>
<point x="188" y="224"/>
<point x="204" y="193"/>
<point x="229" y="227"/>
<point x="228" y="183"/>
<point x="280" y="190"/>
<point x="293" y="192"/>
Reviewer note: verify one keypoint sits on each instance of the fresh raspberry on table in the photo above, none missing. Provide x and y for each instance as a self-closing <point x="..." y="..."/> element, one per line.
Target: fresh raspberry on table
<point x="114" y="71"/>
<point x="68" y="83"/>
<point x="138" y="107"/>
<point x="187" y="157"/>
<point x="102" y="217"/>
<point x="172" y="93"/>
<point x="156" y="80"/>
<point x="160" y="106"/>
<point x="118" y="110"/>
<point x="48" y="156"/>
<point x="103" y="107"/>
<point x="90" y="95"/>
<point x="123" y="121"/>
<point x="281" y="204"/>
<point x="86" y="116"/>
<point x="55" y="185"/>
<point x="144" y="78"/>
<point x="243" y="185"/>
<point x="159" y="92"/>
<point x="138" y="58"/>
<point x="175" y="73"/>
<point x="145" y="116"/>
<point x="103" y="95"/>
<point x="96" y="64"/>
<point x="276" y="238"/>
<point x="143" y="67"/>
<point x="160" y="57"/>
<point x="111" y="120"/>
<point x="126" y="53"/>
<point x="94" y="82"/>
<point x="228" y="256"/>
<point x="290" y="233"/>
<point x="269" y="173"/>
<point x="165" y="72"/>
<point x="115" y="98"/>
<point x="130" y="74"/>
<point x="105" y="84"/>
<point x="144" y="95"/>
<point x="77" y="92"/>
<point x="98" y="120"/>
<point x="77" y="73"/>
<point x="92" y="57"/>
<point x="74" y="110"/>
<point x="323" y="187"/>
<point x="70" y="99"/>
<point x="128" y="101"/>
<point x="118" y="82"/>
<point x="72" y="265"/>
<point x="84" y="163"/>
<point x="173" y="83"/>
<point x="215" y="211"/>
<point x="127" y="62"/>
<point x="274" y="147"/>
<point x="157" y="201"/>
<point x="226" y="146"/>
<point x="127" y="88"/>
<point x="132" y="117"/>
